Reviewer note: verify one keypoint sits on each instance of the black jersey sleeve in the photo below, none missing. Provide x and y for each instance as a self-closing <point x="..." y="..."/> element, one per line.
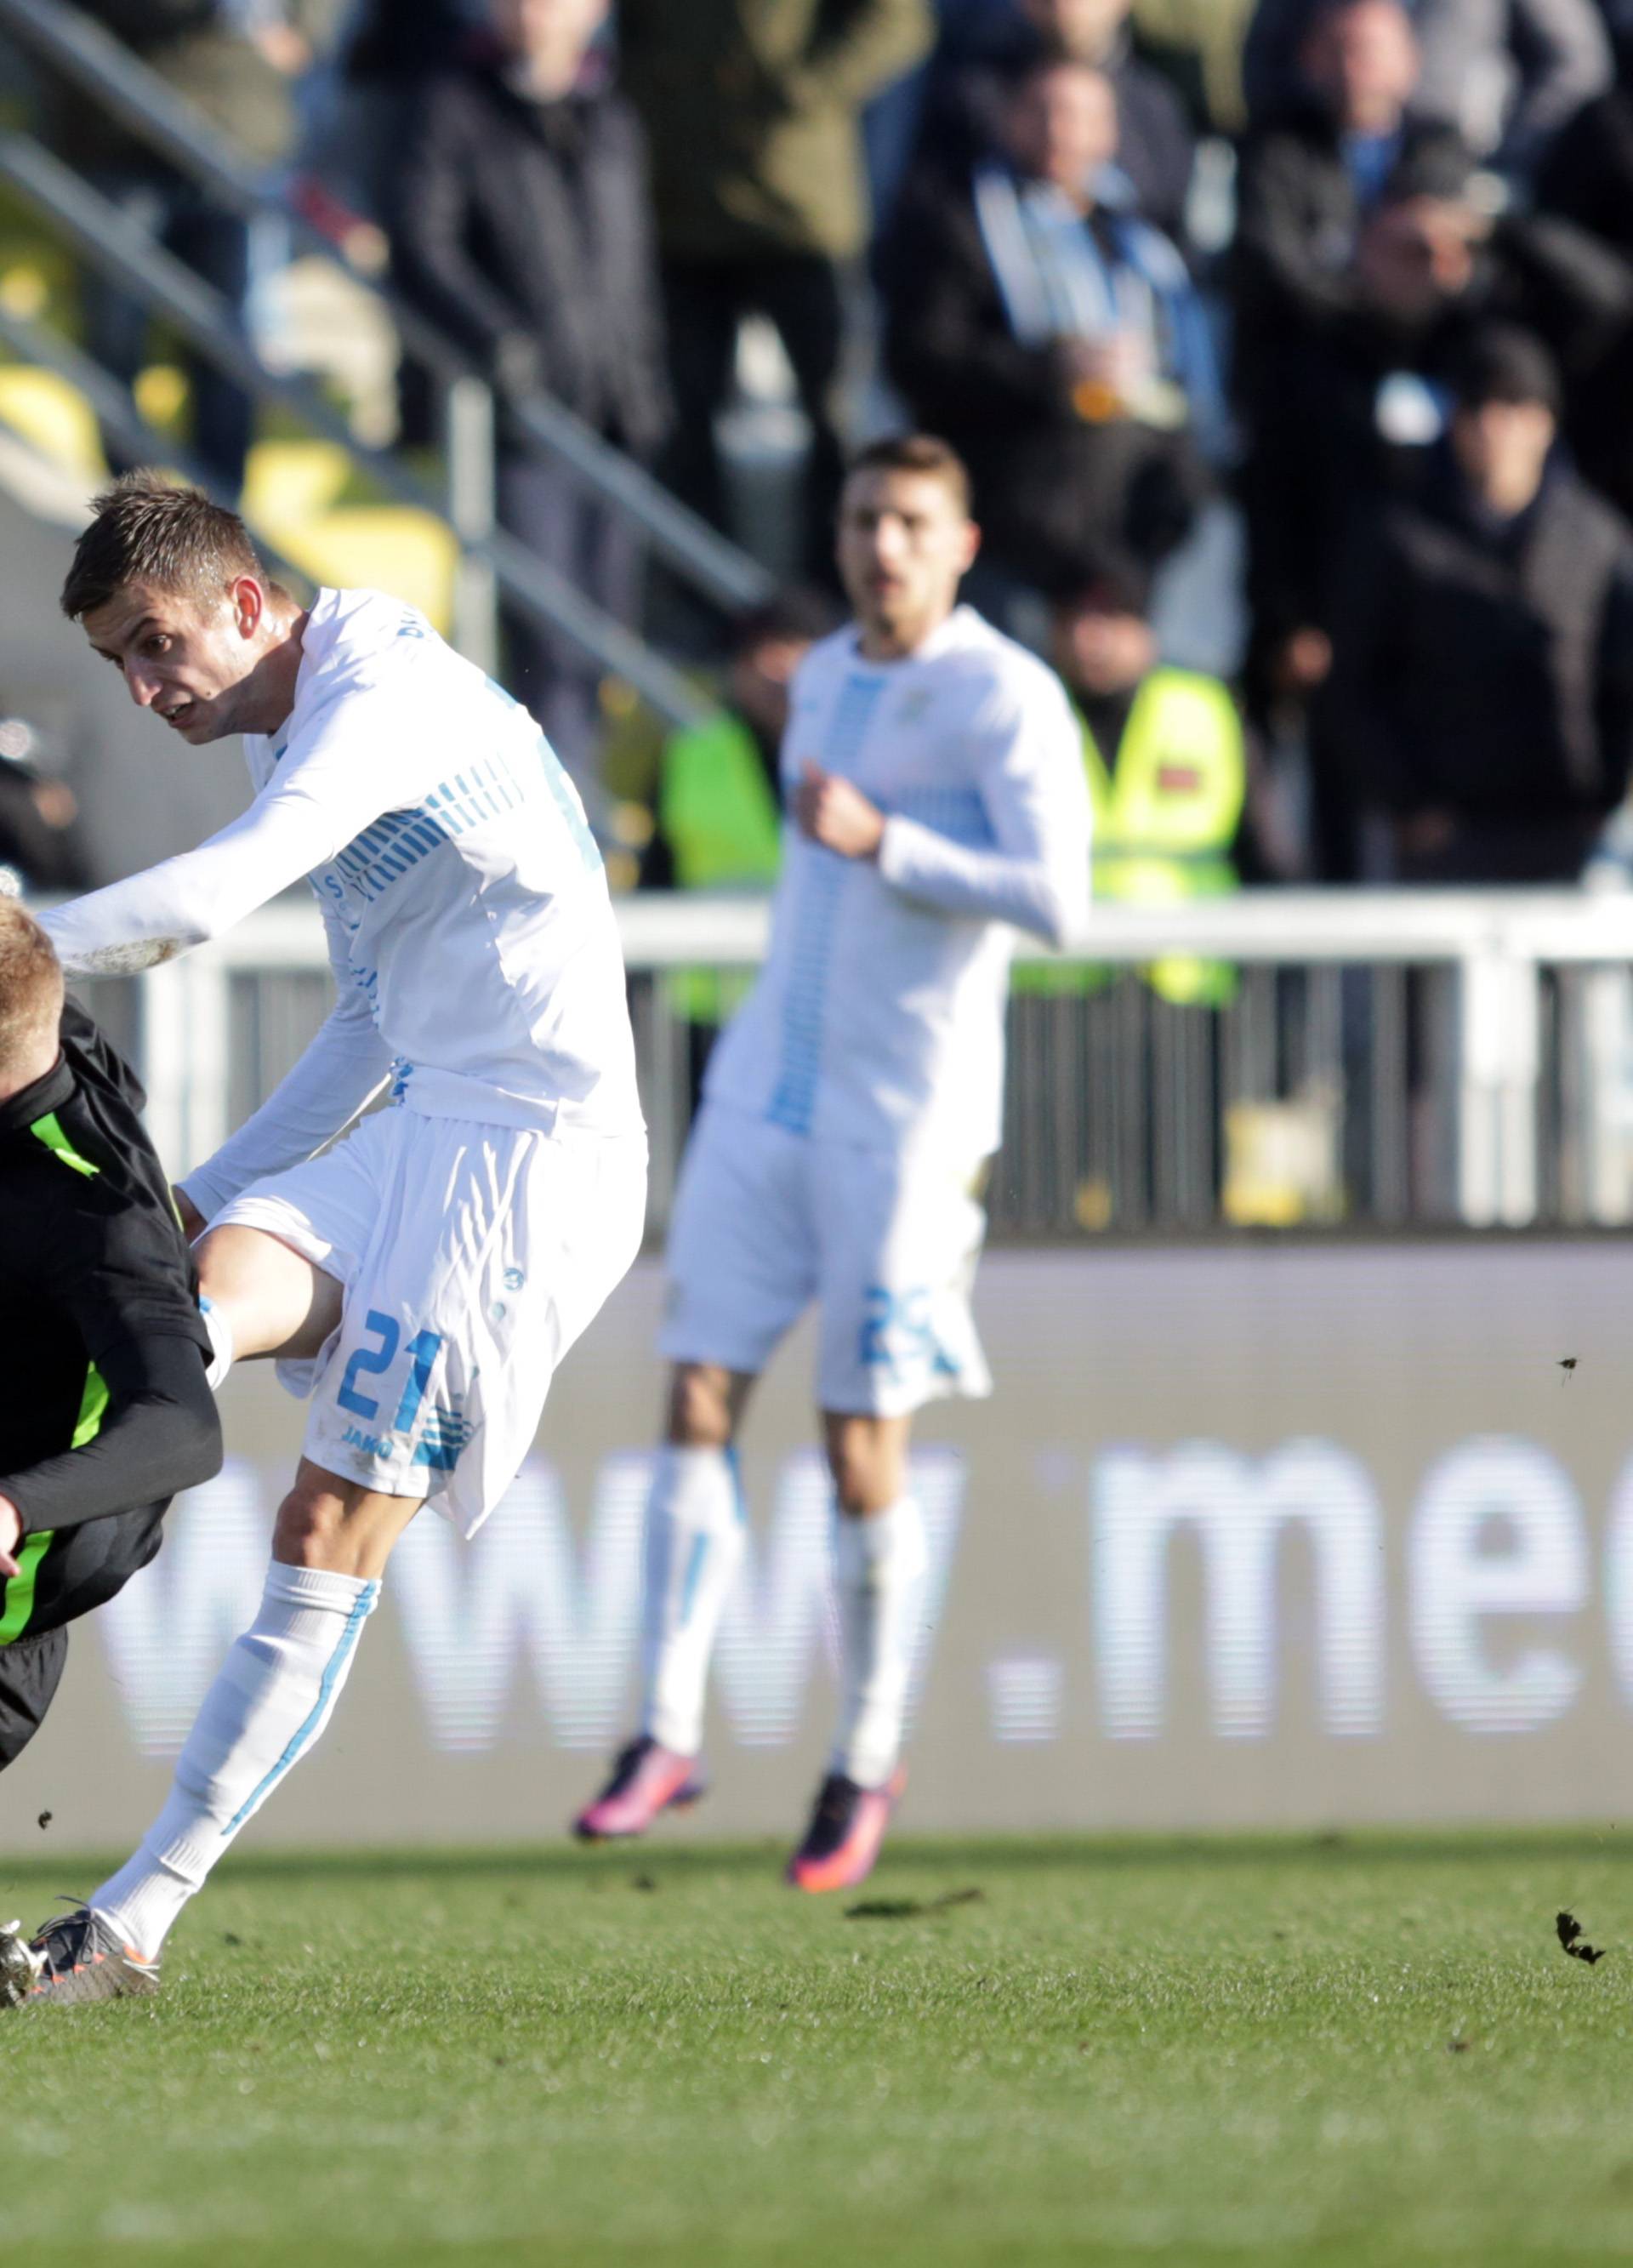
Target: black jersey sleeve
<point x="149" y="1426"/>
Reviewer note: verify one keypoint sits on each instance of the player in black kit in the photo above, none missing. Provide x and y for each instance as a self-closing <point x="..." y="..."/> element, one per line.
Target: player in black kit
<point x="105" y="1407"/>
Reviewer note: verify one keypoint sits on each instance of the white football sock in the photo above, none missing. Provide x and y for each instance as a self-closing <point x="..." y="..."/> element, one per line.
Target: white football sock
<point x="879" y="1565"/>
<point x="270" y="1702"/>
<point x="693" y="1548"/>
<point x="219" y="1325"/>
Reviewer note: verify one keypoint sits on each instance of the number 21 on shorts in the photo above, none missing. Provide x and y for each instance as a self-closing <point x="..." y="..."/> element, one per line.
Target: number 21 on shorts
<point x="422" y="1350"/>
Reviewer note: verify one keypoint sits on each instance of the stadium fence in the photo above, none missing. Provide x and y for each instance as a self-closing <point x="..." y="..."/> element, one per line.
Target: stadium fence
<point x="1386" y="1060"/>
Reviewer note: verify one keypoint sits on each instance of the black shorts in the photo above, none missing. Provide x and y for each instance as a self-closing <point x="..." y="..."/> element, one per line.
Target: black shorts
<point x="30" y="1672"/>
<point x="82" y="1568"/>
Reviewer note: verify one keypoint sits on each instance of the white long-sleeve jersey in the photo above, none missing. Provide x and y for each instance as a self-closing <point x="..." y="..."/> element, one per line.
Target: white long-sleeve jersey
<point x="476" y="953"/>
<point x="878" y="1016"/>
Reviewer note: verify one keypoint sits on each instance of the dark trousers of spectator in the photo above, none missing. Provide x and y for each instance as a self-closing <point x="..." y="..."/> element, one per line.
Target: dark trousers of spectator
<point x="803" y="298"/>
<point x="216" y="245"/>
<point x="599" y="552"/>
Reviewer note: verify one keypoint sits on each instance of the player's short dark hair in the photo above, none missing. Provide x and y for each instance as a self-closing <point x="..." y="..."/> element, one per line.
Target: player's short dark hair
<point x="148" y="530"/>
<point x="31" y="984"/>
<point x="917" y="453"/>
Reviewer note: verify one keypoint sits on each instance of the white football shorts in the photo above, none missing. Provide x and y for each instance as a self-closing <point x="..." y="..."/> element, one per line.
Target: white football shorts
<point x="886" y="1242"/>
<point x="472" y="1257"/>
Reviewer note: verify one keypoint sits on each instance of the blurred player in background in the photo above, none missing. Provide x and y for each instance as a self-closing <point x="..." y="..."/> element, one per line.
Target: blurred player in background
<point x="935" y="781"/>
<point x="421" y="1280"/>
<point x="107" y="1412"/>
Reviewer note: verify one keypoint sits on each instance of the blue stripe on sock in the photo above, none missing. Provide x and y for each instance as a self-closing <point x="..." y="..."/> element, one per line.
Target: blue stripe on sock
<point x="694" y="1576"/>
<point x="348" y="1639"/>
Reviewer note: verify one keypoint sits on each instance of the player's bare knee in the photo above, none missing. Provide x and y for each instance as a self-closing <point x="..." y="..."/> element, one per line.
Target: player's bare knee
<point x="867" y="1457"/>
<point x="309" y="1529"/>
<point x="340" y="1531"/>
<point x="857" y="1481"/>
<point x="700" y="1414"/>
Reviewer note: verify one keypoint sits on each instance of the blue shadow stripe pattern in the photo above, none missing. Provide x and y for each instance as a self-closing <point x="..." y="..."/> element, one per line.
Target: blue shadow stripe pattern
<point x="344" y="1643"/>
<point x="821" y="885"/>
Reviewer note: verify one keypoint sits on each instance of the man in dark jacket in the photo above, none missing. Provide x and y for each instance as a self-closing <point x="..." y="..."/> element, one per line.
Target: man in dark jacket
<point x="1587" y="179"/>
<point x="1314" y="340"/>
<point x="236" y="66"/>
<point x="753" y="110"/>
<point x="1482" y="694"/>
<point x="107" y="1412"/>
<point x="963" y="119"/>
<point x="1365" y="256"/>
<point x="1054" y="338"/>
<point x="1508" y="74"/>
<point x="521" y="224"/>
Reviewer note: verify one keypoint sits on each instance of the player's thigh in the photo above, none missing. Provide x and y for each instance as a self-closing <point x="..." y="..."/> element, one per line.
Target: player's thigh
<point x="902" y="1237"/>
<point x="494" y="1249"/>
<point x="281" y="1256"/>
<point x="276" y="1301"/>
<point x="742" y="1259"/>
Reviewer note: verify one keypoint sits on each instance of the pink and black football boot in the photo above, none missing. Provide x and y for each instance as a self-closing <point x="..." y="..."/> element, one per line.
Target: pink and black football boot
<point x="647" y="1779"/>
<point x="846" y="1830"/>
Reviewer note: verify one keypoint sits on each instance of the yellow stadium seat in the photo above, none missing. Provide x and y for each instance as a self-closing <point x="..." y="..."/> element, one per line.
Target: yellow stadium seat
<point x="56" y="418"/>
<point x="163" y="392"/>
<point x="381" y="548"/>
<point x="286" y="481"/>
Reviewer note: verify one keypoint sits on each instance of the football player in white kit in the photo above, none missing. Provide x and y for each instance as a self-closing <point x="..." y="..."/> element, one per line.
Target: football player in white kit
<point x="934" y="779"/>
<point x="421" y="1280"/>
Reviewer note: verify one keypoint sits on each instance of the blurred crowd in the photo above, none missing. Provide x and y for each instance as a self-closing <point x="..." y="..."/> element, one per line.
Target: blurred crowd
<point x="1349" y="279"/>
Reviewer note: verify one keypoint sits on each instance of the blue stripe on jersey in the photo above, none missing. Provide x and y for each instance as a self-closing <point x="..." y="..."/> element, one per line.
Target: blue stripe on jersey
<point x="956" y="813"/>
<point x="488" y="789"/>
<point x="821" y="881"/>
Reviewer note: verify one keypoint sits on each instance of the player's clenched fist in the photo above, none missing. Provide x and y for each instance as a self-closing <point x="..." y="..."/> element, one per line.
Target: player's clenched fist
<point x="831" y="811"/>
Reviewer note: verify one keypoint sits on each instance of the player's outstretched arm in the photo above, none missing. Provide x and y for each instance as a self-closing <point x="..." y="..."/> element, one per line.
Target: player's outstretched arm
<point x="314" y="804"/>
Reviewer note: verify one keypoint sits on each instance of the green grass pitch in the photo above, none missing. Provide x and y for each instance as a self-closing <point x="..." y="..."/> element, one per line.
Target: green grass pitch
<point x="1363" y="2050"/>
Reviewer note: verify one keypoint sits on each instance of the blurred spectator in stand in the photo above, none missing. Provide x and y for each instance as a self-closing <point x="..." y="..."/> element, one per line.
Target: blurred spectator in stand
<point x="38" y="840"/>
<point x="1587" y="179"/>
<point x="236" y="60"/>
<point x="1166" y="761"/>
<point x="389" y="52"/>
<point x="1508" y="74"/>
<point x="521" y="222"/>
<point x="1055" y="339"/>
<point x="964" y="122"/>
<point x="752" y="111"/>
<point x="719" y="817"/>
<point x="1197" y="44"/>
<point x="1366" y="250"/>
<point x="1482" y="694"/>
<point x="1307" y="361"/>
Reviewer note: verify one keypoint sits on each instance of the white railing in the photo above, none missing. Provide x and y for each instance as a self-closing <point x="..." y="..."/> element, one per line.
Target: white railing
<point x="1494" y="946"/>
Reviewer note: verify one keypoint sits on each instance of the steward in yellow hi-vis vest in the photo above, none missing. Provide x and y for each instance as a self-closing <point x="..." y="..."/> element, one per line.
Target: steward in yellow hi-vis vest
<point x="719" y="817"/>
<point x="718" y="814"/>
<point x="1167" y="792"/>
